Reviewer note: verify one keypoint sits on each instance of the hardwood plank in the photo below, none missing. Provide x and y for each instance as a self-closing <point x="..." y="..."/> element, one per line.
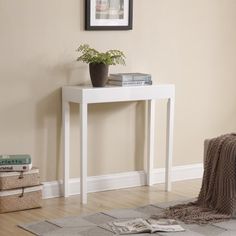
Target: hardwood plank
<point x="123" y="198"/>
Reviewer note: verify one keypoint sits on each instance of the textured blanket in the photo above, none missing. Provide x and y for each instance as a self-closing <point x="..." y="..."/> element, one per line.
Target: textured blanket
<point x="217" y="198"/>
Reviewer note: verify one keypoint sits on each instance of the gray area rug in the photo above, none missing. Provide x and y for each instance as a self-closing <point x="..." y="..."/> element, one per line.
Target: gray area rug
<point x="95" y="224"/>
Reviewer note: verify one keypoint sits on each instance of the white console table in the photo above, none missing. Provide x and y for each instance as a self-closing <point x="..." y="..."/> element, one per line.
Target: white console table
<point x="86" y="95"/>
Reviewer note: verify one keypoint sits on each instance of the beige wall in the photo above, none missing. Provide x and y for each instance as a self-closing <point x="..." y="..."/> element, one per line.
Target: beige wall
<point x="191" y="43"/>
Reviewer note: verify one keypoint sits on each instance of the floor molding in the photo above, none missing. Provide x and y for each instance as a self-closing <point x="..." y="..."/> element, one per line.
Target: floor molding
<point x="122" y="180"/>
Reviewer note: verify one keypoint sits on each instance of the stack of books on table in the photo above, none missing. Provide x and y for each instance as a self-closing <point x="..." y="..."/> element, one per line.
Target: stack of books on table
<point x="15" y="162"/>
<point x="130" y="79"/>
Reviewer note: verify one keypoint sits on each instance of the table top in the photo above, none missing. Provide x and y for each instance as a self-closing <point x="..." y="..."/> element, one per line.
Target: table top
<point x="89" y="94"/>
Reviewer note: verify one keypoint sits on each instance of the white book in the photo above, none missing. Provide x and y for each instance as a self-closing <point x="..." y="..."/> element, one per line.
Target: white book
<point x="128" y="83"/>
<point x="130" y="77"/>
<point x="25" y="167"/>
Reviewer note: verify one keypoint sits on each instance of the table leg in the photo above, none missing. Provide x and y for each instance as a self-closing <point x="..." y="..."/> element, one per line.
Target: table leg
<point x="66" y="146"/>
<point x="169" y="142"/>
<point x="83" y="152"/>
<point x="151" y="136"/>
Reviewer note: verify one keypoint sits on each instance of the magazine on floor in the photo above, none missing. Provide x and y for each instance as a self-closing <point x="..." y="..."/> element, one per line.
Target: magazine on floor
<point x="139" y="225"/>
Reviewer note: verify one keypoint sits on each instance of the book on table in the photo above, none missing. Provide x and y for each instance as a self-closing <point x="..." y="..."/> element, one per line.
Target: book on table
<point x="130" y="77"/>
<point x="128" y="83"/>
<point x="20" y="159"/>
<point x="140" y="225"/>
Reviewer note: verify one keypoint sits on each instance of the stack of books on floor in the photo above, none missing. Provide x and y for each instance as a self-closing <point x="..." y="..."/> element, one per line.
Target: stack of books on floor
<point x="130" y="79"/>
<point x="20" y="187"/>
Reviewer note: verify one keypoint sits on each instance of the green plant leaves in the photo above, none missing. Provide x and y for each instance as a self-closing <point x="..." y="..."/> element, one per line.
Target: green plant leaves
<point x="90" y="55"/>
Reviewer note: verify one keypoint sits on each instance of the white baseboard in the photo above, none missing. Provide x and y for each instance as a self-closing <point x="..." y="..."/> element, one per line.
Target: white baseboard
<point x="123" y="180"/>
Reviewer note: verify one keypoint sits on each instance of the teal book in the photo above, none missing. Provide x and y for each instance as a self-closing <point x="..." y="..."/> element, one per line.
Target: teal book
<point x="21" y="159"/>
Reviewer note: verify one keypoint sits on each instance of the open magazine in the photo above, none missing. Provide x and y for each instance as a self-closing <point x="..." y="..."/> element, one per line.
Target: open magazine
<point x="140" y="225"/>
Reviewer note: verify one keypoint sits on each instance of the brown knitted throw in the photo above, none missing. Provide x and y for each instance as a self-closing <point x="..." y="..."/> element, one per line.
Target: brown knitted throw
<point x="217" y="198"/>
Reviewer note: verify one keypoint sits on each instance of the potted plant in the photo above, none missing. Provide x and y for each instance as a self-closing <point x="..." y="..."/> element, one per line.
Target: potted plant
<point x="99" y="62"/>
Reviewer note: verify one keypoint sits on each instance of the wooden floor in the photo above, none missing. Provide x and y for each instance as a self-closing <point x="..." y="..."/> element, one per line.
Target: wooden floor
<point x="125" y="198"/>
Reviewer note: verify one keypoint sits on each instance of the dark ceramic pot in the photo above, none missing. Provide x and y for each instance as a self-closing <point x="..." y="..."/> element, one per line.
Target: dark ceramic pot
<point x="98" y="74"/>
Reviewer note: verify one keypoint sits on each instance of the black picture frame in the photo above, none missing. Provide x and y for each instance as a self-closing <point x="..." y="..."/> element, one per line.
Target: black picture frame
<point x="123" y="20"/>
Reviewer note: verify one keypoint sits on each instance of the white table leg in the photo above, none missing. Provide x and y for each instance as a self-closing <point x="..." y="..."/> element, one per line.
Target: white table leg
<point x="83" y="152"/>
<point x="66" y="146"/>
<point x="151" y="136"/>
<point x="169" y="142"/>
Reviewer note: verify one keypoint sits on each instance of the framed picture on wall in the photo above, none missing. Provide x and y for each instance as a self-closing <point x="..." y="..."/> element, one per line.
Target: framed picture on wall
<point x="108" y="14"/>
